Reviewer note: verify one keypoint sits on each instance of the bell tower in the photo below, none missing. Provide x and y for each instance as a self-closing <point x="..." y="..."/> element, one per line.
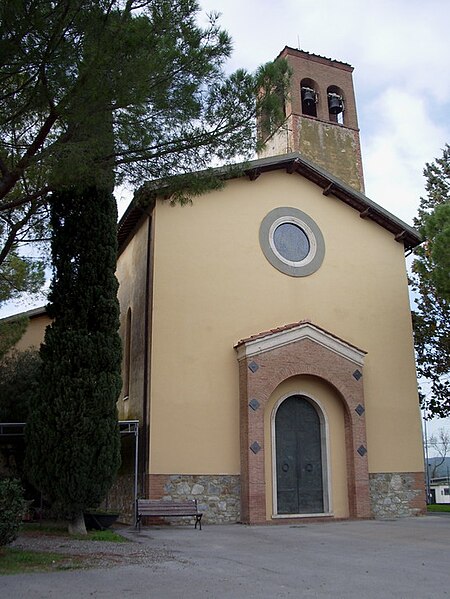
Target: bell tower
<point x="321" y="122"/>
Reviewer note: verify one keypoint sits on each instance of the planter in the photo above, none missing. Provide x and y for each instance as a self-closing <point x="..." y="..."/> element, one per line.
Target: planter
<point x="99" y="520"/>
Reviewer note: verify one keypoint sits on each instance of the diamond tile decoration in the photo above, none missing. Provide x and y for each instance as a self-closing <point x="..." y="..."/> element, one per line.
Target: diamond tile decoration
<point x="254" y="404"/>
<point x="357" y="374"/>
<point x="362" y="450"/>
<point x="255" y="447"/>
<point x="253" y="366"/>
<point x="360" y="409"/>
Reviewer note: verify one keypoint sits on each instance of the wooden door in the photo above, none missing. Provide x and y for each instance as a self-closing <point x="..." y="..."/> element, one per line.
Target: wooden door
<point x="298" y="457"/>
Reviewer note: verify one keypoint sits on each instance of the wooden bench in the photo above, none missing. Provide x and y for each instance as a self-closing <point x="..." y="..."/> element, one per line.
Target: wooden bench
<point x="165" y="508"/>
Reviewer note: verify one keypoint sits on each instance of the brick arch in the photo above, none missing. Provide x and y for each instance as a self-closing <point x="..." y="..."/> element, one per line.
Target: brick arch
<point x="268" y="359"/>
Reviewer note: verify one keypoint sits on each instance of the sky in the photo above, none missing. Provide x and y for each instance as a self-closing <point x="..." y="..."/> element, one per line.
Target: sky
<point x="399" y="50"/>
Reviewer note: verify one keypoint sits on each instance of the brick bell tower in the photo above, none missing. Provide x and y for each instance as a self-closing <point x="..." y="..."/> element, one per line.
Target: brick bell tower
<point x="321" y="122"/>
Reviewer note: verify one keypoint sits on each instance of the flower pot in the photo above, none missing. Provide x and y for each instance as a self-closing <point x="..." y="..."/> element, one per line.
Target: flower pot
<point x="99" y="520"/>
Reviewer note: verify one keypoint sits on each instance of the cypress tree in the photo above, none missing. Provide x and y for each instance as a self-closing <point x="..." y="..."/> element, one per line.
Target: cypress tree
<point x="73" y="443"/>
<point x="430" y="281"/>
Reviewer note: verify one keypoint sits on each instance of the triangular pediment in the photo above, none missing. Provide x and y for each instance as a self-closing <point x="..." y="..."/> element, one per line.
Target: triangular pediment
<point x="296" y="332"/>
<point x="290" y="164"/>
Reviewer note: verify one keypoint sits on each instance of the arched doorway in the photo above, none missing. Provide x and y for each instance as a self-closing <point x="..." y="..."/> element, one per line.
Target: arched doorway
<point x="271" y="359"/>
<point x="299" y="457"/>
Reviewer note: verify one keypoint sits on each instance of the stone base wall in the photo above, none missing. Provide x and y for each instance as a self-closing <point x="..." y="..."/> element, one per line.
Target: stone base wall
<point x="218" y="495"/>
<point x="392" y="494"/>
<point x="397" y="494"/>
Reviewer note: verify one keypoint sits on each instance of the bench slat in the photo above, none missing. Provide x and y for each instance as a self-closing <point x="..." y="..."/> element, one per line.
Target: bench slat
<point x="158" y="508"/>
<point x="167" y="512"/>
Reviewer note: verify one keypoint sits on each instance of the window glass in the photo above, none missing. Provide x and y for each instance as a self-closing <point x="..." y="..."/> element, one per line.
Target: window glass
<point x="291" y="242"/>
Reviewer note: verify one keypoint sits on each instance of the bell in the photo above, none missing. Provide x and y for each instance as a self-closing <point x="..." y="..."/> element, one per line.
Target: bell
<point x="335" y="105"/>
<point x="309" y="97"/>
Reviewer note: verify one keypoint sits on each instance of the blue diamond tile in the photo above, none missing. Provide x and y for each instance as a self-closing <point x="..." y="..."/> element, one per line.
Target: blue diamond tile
<point x="254" y="404"/>
<point x="255" y="447"/>
<point x="362" y="450"/>
<point x="360" y="409"/>
<point x="253" y="366"/>
<point x="357" y="374"/>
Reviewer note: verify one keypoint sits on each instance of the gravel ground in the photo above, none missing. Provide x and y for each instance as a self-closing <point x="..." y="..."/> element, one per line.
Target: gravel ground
<point x="407" y="558"/>
<point x="94" y="554"/>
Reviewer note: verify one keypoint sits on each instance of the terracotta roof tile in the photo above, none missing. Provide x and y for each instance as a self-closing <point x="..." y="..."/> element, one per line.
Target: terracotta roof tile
<point x="293" y="325"/>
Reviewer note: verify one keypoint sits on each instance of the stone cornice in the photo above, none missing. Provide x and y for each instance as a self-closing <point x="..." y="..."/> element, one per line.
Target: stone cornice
<point x="262" y="343"/>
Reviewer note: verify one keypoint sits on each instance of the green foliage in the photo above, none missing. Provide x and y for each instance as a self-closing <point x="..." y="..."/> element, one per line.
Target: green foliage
<point x="12" y="507"/>
<point x="72" y="435"/>
<point x="150" y="67"/>
<point x="11" y="331"/>
<point x="20" y="274"/>
<point x="431" y="282"/>
<point x="19" y="374"/>
<point x="436" y="229"/>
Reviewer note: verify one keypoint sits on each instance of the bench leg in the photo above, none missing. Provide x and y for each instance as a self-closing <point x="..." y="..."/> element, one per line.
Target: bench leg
<point x="198" y="519"/>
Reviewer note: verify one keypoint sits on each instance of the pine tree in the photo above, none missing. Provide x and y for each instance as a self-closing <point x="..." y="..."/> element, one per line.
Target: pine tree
<point x="149" y="65"/>
<point x="73" y="443"/>
<point x="431" y="278"/>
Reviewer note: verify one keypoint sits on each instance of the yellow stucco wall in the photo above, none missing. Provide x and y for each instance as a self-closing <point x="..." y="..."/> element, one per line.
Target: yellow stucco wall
<point x="213" y="286"/>
<point x="131" y="273"/>
<point x="34" y="334"/>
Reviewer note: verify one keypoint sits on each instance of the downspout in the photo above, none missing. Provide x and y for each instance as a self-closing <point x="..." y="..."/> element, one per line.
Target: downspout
<point x="148" y="312"/>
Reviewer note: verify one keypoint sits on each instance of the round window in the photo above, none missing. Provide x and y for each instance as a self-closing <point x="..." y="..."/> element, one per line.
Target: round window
<point x="292" y="242"/>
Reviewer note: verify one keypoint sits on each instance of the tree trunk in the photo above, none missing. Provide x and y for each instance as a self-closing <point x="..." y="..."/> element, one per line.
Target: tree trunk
<point x="77" y="526"/>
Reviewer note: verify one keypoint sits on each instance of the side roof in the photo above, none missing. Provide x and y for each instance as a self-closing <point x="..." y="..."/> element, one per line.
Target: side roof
<point x="292" y="163"/>
<point x="33" y="313"/>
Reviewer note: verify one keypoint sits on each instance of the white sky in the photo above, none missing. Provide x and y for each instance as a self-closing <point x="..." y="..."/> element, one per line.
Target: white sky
<point x="399" y="49"/>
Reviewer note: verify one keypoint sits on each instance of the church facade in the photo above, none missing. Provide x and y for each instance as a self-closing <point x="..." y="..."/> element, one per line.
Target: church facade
<point x="268" y="351"/>
<point x="267" y="330"/>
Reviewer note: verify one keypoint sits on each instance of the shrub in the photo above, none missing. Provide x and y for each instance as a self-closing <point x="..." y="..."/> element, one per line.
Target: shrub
<point x="12" y="506"/>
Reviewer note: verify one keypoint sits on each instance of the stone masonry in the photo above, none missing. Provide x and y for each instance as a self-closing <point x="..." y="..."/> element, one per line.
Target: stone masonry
<point x="218" y="495"/>
<point x="397" y="494"/>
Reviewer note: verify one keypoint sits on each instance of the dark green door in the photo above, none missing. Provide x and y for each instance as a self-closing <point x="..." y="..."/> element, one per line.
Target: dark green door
<point x="298" y="457"/>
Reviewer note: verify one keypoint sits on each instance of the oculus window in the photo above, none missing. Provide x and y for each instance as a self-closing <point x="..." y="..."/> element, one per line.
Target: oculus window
<point x="292" y="242"/>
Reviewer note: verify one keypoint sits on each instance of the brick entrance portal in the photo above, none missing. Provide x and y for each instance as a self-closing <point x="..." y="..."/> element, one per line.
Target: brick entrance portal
<point x="268" y="359"/>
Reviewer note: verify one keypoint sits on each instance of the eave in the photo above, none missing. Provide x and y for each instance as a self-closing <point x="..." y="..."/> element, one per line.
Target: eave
<point x="330" y="185"/>
<point x="292" y="163"/>
<point x="33" y="313"/>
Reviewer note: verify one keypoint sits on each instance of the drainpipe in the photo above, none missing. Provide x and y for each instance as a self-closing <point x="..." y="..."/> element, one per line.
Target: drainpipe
<point x="145" y="435"/>
<point x="427" y="470"/>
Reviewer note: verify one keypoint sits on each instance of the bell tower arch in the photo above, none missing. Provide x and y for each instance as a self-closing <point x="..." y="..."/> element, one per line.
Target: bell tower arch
<point x="321" y="120"/>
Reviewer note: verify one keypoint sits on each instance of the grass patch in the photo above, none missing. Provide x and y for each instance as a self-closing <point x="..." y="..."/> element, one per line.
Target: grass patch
<point x="442" y="507"/>
<point x="60" y="530"/>
<point x="106" y="535"/>
<point x="46" y="527"/>
<point x="18" y="561"/>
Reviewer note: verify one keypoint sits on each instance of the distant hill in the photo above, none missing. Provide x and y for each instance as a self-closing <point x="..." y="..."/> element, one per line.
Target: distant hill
<point x="440" y="471"/>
